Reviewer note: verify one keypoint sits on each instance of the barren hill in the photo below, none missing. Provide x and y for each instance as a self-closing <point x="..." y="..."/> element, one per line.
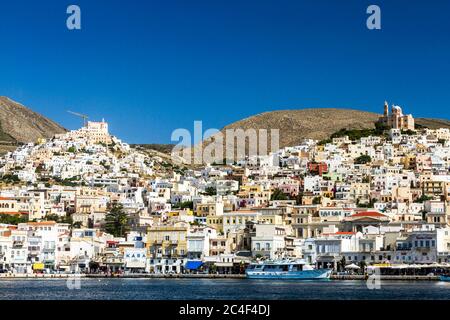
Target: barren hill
<point x="296" y="125"/>
<point x="20" y="124"/>
<point x="317" y="123"/>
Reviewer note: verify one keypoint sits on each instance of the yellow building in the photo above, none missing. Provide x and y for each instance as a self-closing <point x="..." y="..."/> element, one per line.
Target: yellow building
<point x="215" y="222"/>
<point x="436" y="187"/>
<point x="167" y="241"/>
<point x="8" y="205"/>
<point x="207" y="209"/>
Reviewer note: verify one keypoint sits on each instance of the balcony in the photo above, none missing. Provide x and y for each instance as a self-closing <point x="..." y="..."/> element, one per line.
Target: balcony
<point x="17" y="244"/>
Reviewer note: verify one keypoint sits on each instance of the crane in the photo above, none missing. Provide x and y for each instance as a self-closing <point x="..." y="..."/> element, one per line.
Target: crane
<point x="83" y="116"/>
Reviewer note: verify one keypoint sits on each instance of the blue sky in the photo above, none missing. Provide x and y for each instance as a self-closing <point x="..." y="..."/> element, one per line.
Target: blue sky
<point x="149" y="67"/>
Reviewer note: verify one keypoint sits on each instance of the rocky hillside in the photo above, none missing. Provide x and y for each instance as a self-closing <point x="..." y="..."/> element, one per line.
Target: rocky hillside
<point x="318" y="123"/>
<point x="18" y="124"/>
<point x="432" y="123"/>
<point x="296" y="125"/>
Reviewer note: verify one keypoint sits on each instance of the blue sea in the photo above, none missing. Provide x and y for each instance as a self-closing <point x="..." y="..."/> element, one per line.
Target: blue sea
<point x="229" y="289"/>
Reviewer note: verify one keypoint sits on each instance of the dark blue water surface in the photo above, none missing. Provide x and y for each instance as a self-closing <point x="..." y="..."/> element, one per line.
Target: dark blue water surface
<point x="166" y="289"/>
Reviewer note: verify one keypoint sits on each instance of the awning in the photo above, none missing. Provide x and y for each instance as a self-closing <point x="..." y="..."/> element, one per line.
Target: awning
<point x="135" y="264"/>
<point x="38" y="266"/>
<point x="193" y="265"/>
<point x="224" y="264"/>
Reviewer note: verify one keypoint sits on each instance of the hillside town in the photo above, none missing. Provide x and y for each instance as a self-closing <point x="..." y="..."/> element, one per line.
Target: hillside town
<point x="87" y="202"/>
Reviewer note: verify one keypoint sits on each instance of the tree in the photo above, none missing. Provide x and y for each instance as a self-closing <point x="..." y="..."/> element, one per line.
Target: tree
<point x="278" y="195"/>
<point x="363" y="159"/>
<point x="424" y="215"/>
<point x="408" y="132"/>
<point x="187" y="205"/>
<point x="12" y="219"/>
<point x="116" y="221"/>
<point x="316" y="200"/>
<point x="52" y="217"/>
<point x="362" y="264"/>
<point x="422" y="199"/>
<point x="10" y="178"/>
<point x="342" y="263"/>
<point x="210" y="191"/>
<point x="93" y="266"/>
<point x="299" y="198"/>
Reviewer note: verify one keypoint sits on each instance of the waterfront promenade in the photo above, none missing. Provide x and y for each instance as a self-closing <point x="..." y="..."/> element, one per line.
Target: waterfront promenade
<point x="203" y="276"/>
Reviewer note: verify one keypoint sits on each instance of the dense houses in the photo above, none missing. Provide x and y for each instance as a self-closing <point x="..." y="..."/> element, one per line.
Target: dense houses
<point x="372" y="199"/>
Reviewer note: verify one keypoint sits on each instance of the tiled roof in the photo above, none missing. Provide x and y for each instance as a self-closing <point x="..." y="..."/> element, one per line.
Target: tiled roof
<point x="368" y="214"/>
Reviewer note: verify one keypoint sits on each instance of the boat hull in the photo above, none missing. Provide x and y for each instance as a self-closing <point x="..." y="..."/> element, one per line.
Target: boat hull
<point x="444" y="278"/>
<point x="316" y="274"/>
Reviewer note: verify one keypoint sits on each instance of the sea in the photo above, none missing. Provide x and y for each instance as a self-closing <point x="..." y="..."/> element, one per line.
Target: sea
<point x="218" y="289"/>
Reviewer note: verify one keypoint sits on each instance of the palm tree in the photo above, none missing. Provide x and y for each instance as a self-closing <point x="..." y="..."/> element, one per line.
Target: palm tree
<point x="343" y="262"/>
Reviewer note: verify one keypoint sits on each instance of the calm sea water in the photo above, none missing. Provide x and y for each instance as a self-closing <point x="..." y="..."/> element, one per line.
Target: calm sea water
<point x="166" y="289"/>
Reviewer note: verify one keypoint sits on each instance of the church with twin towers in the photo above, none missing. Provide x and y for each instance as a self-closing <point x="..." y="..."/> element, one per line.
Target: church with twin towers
<point x="396" y="119"/>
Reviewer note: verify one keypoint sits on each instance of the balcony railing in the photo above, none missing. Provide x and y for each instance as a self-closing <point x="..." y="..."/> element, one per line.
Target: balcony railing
<point x="17" y="244"/>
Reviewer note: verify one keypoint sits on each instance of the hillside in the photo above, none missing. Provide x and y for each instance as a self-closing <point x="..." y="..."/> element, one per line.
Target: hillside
<point x="432" y="123"/>
<point x="296" y="125"/>
<point x="19" y="124"/>
<point x="318" y="123"/>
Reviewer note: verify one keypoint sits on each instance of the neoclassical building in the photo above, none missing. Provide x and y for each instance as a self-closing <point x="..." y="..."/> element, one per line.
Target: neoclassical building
<point x="396" y="119"/>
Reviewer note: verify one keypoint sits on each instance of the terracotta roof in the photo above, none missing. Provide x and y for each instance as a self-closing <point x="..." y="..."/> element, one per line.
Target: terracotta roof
<point x="11" y="213"/>
<point x="42" y="223"/>
<point x="338" y="233"/>
<point x="368" y="214"/>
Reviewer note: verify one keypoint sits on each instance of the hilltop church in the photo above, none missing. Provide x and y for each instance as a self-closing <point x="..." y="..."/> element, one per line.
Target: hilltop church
<point x="396" y="120"/>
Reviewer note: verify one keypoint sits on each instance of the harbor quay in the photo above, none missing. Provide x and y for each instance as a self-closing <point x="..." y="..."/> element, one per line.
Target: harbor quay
<point x="337" y="277"/>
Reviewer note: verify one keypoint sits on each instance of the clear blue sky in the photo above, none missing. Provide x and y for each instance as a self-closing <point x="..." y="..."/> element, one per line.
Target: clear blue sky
<point x="149" y="67"/>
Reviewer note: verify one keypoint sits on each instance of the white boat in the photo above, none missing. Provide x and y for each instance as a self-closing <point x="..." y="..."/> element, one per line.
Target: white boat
<point x="285" y="269"/>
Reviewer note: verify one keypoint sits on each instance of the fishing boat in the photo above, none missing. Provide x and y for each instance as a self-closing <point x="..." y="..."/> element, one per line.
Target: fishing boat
<point x="286" y="269"/>
<point x="444" y="277"/>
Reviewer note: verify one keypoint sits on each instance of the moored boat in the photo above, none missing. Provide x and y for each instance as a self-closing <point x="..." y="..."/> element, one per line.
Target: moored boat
<point x="444" y="278"/>
<point x="286" y="270"/>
